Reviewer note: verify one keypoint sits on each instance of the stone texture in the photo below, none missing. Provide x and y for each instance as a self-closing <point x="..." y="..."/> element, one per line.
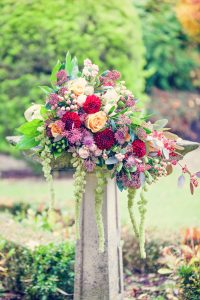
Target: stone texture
<point x="99" y="276"/>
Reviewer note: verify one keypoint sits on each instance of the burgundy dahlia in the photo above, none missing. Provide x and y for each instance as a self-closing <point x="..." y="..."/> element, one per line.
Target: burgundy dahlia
<point x="61" y="77"/>
<point x="71" y="120"/>
<point x="139" y="148"/>
<point x="104" y="139"/>
<point x="92" y="104"/>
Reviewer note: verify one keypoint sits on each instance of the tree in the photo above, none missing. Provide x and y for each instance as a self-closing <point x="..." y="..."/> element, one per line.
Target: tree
<point x="34" y="34"/>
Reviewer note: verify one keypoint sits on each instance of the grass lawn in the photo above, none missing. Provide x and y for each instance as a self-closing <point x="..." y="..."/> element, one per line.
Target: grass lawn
<point x="169" y="208"/>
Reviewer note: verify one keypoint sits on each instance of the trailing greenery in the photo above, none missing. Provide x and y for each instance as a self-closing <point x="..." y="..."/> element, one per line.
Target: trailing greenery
<point x="34" y="33"/>
<point x="171" y="57"/>
<point x="44" y="273"/>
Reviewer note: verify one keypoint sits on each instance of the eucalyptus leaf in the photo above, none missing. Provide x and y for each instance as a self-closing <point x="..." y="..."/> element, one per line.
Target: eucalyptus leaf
<point x="181" y="181"/>
<point x="160" y="124"/>
<point x="120" y="185"/>
<point x="111" y="160"/>
<point x="165" y="153"/>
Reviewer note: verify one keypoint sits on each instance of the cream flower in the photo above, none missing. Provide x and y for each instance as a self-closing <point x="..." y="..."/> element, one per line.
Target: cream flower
<point x="81" y="99"/>
<point x="83" y="153"/>
<point x="89" y="90"/>
<point x="77" y="86"/>
<point x="33" y="112"/>
<point x="96" y="122"/>
<point x="111" y="96"/>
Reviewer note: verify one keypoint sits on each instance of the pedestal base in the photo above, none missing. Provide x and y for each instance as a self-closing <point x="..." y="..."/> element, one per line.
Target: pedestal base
<point x="99" y="276"/>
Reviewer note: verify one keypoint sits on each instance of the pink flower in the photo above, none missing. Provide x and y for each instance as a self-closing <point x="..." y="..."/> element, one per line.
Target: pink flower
<point x="83" y="153"/>
<point x="75" y="136"/>
<point x="89" y="165"/>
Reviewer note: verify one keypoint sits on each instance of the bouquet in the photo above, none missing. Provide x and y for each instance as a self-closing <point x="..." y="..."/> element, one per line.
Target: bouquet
<point x="94" y="121"/>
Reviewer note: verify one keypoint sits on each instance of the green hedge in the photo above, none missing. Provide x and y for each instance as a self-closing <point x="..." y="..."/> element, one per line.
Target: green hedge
<point x="34" y="34"/>
<point x="170" y="55"/>
<point x="44" y="273"/>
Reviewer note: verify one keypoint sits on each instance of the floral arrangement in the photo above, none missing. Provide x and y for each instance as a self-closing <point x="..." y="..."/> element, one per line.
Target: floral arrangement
<point x="95" y="121"/>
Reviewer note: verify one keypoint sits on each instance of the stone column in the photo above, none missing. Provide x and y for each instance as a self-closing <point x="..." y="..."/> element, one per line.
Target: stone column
<point x="99" y="276"/>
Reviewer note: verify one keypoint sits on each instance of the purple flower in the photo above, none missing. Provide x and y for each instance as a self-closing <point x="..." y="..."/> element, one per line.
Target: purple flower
<point x="88" y="141"/>
<point x="89" y="165"/>
<point x="130" y="162"/>
<point x="119" y="136"/>
<point x="133" y="182"/>
<point x="124" y="120"/>
<point x="53" y="100"/>
<point x="61" y="77"/>
<point x="75" y="135"/>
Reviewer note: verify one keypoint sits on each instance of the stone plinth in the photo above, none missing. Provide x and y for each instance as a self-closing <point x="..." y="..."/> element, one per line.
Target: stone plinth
<point x="99" y="276"/>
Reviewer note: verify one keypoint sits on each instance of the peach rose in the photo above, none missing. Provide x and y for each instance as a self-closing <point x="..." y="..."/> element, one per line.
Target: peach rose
<point x="56" y="128"/>
<point x="95" y="122"/>
<point x="78" y="86"/>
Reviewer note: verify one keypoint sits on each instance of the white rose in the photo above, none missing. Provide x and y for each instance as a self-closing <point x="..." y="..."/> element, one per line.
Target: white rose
<point x="77" y="86"/>
<point x="89" y="90"/>
<point x="83" y="153"/>
<point x="81" y="99"/>
<point x="33" y="112"/>
<point x="111" y="96"/>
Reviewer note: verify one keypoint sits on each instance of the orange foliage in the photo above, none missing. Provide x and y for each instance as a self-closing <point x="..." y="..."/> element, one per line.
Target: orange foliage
<point x="188" y="13"/>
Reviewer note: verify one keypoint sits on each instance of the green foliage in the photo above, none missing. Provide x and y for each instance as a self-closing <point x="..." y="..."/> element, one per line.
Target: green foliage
<point x="44" y="273"/>
<point x="34" y="34"/>
<point x="190" y="281"/>
<point x="170" y="55"/>
<point x="52" y="272"/>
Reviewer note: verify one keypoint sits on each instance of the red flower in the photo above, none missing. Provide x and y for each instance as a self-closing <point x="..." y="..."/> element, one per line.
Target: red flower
<point x="104" y="139"/>
<point x="139" y="148"/>
<point x="71" y="120"/>
<point x="92" y="104"/>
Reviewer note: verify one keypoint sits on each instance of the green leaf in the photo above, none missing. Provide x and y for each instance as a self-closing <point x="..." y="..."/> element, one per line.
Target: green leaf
<point x="46" y="89"/>
<point x="111" y="110"/>
<point x="164" y="271"/>
<point x="120" y="185"/>
<point x="68" y="64"/>
<point x="57" y="154"/>
<point x="44" y="112"/>
<point x="75" y="69"/>
<point x="54" y="72"/>
<point x="136" y="121"/>
<point x="27" y="142"/>
<point x="30" y="128"/>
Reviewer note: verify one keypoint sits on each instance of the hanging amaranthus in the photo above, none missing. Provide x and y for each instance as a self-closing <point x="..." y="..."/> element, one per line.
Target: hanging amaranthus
<point x="101" y="175"/>
<point x="79" y="186"/>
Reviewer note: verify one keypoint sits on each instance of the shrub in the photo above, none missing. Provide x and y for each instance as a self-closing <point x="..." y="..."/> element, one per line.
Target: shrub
<point x="131" y="253"/>
<point x="190" y="281"/>
<point x="35" y="33"/>
<point x="44" y="273"/>
<point x="171" y="58"/>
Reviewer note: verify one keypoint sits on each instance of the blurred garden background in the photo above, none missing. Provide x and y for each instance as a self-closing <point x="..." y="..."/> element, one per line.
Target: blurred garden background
<point x="156" y="46"/>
